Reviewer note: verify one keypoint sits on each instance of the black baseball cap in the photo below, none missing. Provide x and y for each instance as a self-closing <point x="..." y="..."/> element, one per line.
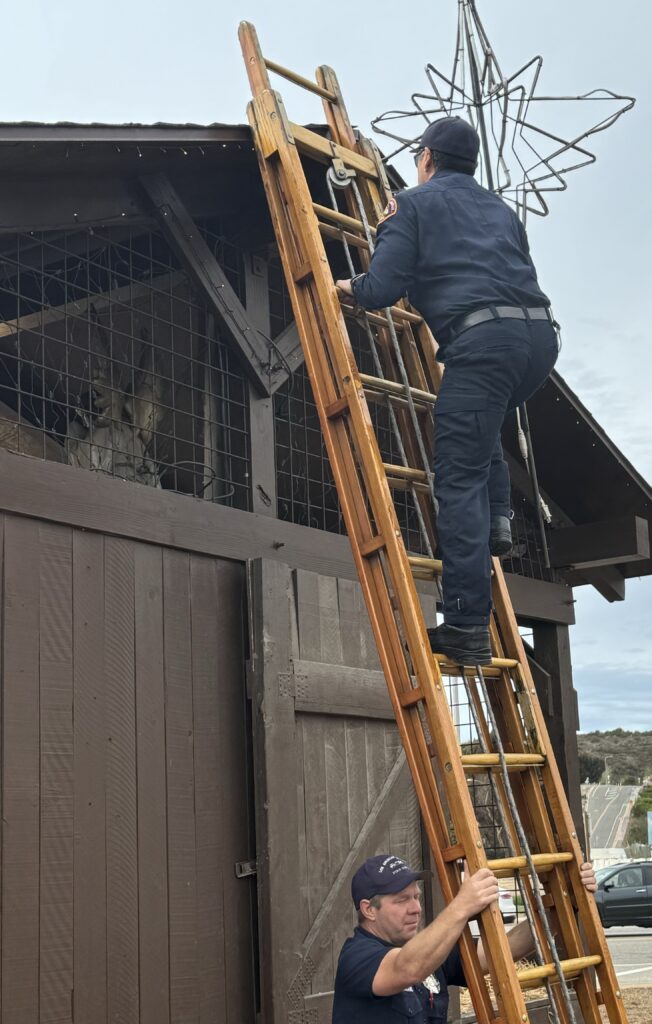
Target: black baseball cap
<point x="382" y="875"/>
<point x="453" y="136"/>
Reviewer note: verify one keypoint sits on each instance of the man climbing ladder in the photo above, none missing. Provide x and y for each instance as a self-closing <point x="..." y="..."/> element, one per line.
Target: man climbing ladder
<point x="461" y="255"/>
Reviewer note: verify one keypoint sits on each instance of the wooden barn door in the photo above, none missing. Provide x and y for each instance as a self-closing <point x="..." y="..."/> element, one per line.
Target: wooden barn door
<point x="124" y="782"/>
<point x="332" y="787"/>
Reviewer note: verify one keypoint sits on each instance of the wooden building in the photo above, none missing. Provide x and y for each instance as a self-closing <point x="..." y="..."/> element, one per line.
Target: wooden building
<point x="197" y="746"/>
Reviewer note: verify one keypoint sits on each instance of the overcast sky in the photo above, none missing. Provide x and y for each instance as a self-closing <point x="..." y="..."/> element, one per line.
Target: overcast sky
<point x="180" y="62"/>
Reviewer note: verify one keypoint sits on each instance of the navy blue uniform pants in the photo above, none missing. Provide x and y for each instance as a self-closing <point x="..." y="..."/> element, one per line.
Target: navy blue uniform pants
<point x="489" y="370"/>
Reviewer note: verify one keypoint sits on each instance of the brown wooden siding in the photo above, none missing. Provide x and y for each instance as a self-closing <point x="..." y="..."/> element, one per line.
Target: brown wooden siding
<point x="332" y="784"/>
<point x="124" y="782"/>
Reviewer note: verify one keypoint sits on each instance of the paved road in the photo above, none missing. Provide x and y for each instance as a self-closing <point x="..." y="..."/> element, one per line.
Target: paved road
<point x="608" y="808"/>
<point x="631" y="952"/>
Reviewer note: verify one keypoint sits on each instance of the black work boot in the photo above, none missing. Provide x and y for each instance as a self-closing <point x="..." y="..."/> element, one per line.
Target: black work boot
<point x="465" y="645"/>
<point x="500" y="536"/>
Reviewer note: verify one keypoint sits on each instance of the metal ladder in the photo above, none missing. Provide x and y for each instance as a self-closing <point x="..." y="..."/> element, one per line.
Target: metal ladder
<point x="514" y="745"/>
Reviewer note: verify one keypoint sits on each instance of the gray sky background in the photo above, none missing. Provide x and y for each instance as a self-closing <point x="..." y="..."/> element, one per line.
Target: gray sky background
<point x="180" y="62"/>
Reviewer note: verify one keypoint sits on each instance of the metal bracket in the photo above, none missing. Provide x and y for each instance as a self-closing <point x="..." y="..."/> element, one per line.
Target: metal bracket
<point x="245" y="868"/>
<point x="286" y="687"/>
<point x="339" y="174"/>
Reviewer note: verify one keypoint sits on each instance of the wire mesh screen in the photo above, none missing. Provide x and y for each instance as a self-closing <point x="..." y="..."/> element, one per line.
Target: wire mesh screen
<point x="306" y="489"/>
<point x="527" y="555"/>
<point x="483" y="794"/>
<point x="108" y="361"/>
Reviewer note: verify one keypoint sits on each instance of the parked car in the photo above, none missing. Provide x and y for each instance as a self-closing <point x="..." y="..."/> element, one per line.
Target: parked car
<point x="624" y="894"/>
<point x="507" y="905"/>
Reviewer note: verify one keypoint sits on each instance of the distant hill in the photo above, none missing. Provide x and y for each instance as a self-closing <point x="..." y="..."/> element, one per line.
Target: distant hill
<point x="629" y="755"/>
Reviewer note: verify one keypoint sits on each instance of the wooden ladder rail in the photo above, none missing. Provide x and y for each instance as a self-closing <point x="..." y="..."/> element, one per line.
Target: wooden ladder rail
<point x="386" y="574"/>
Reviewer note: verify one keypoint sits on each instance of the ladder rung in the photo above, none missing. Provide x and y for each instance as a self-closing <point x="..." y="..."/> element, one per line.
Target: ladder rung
<point x="394" y="388"/>
<point x="532" y="975"/>
<point x="305" y="83"/>
<point x="381" y="398"/>
<point x="500" y="663"/>
<point x="407" y="485"/>
<point x="303" y="273"/>
<point x="368" y="547"/>
<point x="426" y="568"/>
<point x="448" y="668"/>
<point x="515" y="762"/>
<point x="337" y="408"/>
<point x="411" y="697"/>
<point x="345" y="236"/>
<point x="405" y="473"/>
<point x="328" y="213"/>
<point x="319" y="148"/>
<point x="375" y="318"/>
<point x="504" y="866"/>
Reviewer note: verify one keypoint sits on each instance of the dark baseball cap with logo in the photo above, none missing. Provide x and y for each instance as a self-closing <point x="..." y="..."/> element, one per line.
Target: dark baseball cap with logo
<point x="453" y="136"/>
<point x="382" y="875"/>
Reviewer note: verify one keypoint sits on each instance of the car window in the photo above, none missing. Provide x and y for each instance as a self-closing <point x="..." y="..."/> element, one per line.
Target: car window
<point x="603" y="873"/>
<point x="628" y="877"/>
<point x="648" y="874"/>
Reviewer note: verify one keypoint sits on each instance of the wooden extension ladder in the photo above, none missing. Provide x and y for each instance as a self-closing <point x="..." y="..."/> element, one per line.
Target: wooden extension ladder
<point x="514" y="748"/>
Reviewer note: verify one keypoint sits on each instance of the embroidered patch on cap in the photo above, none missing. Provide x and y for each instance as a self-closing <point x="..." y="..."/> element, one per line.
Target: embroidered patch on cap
<point x="389" y="210"/>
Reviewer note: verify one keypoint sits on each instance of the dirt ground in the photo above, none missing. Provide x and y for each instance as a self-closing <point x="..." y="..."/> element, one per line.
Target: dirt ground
<point x="638" y="1004"/>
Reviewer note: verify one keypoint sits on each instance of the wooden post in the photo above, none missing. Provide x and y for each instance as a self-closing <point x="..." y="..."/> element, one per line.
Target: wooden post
<point x="261" y="407"/>
<point x="552" y="652"/>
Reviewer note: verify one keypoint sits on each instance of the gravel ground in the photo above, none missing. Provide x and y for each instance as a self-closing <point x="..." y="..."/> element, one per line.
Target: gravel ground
<point x="638" y="1004"/>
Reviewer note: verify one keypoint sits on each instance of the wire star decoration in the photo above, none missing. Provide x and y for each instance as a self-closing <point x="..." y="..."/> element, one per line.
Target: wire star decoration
<point x="520" y="160"/>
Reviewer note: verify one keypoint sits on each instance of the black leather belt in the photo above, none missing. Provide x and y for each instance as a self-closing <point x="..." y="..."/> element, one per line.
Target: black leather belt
<point x="480" y="316"/>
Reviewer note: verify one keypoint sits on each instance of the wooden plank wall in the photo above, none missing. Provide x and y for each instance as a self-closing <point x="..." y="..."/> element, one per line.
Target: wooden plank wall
<point x="342" y="760"/>
<point x="332" y="786"/>
<point x="124" y="783"/>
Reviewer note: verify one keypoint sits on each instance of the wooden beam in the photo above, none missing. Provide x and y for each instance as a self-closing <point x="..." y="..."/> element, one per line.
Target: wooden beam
<point x="287" y="356"/>
<point x="536" y="599"/>
<point x="64" y="494"/>
<point x="552" y="652"/>
<point x="278" y="858"/>
<point x="326" y="689"/>
<point x="102" y="300"/>
<point x="608" y="580"/>
<point x="261" y="407"/>
<point x="184" y="236"/>
<point x="542" y="681"/>
<point x="596" y="544"/>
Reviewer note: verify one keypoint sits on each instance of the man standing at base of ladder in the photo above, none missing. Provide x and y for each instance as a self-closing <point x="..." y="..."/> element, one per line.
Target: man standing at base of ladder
<point x="389" y="971"/>
<point x="461" y="256"/>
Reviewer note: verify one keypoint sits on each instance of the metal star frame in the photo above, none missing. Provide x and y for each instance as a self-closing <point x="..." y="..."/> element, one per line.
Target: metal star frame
<point x="519" y="160"/>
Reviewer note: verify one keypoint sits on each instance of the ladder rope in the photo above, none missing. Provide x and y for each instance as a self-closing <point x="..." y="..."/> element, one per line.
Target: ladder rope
<point x="482" y="739"/>
<point x="525" y="849"/>
<point x="423" y="530"/>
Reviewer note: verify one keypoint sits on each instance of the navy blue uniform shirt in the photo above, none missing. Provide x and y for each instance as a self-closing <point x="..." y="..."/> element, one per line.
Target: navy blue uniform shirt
<point x="355" y="1003"/>
<point x="452" y="247"/>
